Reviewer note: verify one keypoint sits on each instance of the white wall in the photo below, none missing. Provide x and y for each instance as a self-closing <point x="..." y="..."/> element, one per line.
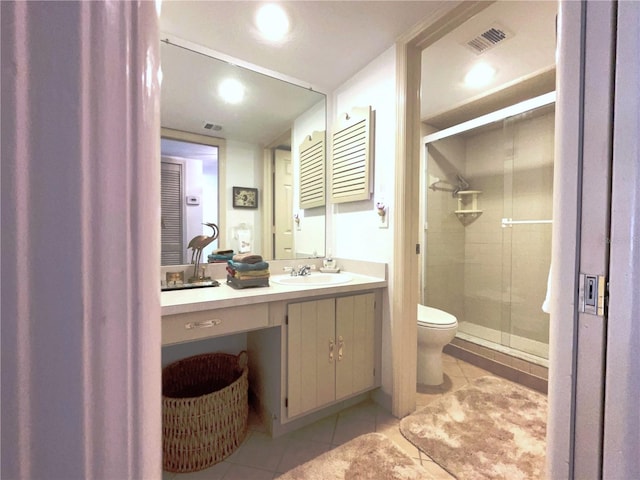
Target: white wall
<point x="244" y="169"/>
<point x="355" y="231"/>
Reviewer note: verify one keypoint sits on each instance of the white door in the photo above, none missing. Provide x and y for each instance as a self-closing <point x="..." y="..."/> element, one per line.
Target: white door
<point x="283" y="206"/>
<point x="594" y="381"/>
<point x="621" y="439"/>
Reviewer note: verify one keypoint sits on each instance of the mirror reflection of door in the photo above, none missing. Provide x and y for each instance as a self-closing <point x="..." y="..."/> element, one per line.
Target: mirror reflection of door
<point x="283" y="205"/>
<point x="189" y="192"/>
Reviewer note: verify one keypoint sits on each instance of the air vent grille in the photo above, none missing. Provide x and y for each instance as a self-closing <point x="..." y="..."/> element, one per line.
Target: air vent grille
<point x="212" y="126"/>
<point x="488" y="39"/>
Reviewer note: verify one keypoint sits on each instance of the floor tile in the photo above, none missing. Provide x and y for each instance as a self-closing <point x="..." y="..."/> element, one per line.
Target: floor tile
<point x="472" y="372"/>
<point x="348" y="428"/>
<point x="320" y="431"/>
<point x="392" y="431"/>
<point x="216" y="472"/>
<point x="299" y="452"/>
<point x="242" y="472"/>
<point x="259" y="450"/>
<point x="362" y="411"/>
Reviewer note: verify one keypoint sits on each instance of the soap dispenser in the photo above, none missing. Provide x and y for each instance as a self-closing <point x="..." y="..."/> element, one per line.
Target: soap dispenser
<point x="329" y="263"/>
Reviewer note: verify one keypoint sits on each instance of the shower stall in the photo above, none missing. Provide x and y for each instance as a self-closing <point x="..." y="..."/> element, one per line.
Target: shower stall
<point x="487" y="189"/>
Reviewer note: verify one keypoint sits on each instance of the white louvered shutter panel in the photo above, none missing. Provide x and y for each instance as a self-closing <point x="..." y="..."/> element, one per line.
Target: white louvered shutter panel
<point x="312" y="170"/>
<point x="171" y="214"/>
<point x="351" y="157"/>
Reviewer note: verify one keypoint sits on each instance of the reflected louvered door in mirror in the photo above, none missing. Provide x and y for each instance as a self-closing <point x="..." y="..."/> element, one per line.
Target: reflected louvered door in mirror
<point x="312" y="171"/>
<point x="171" y="213"/>
<point x="351" y="164"/>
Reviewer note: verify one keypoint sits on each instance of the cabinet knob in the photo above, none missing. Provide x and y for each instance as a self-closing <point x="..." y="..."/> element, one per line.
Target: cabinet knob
<point x="340" y="347"/>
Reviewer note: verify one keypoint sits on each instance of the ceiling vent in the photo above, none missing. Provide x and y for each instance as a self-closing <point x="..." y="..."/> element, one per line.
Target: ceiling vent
<point x="489" y="38"/>
<point x="212" y="126"/>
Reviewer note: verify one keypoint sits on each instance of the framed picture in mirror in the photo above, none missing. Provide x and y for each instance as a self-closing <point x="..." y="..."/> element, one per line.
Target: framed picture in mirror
<point x="245" y="197"/>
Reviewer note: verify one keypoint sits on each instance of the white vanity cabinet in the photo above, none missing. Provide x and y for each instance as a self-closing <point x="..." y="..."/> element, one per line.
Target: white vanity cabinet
<point x="313" y="350"/>
<point x="331" y="351"/>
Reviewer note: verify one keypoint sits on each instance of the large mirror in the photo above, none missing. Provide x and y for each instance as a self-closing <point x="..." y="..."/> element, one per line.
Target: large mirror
<point x="234" y="164"/>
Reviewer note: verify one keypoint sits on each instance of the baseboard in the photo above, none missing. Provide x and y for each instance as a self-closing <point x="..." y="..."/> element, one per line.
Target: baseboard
<point x="500" y="368"/>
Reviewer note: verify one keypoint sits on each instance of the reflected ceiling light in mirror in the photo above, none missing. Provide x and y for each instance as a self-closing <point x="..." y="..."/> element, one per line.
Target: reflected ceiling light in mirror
<point x="231" y="90"/>
<point x="272" y="22"/>
<point x="480" y="75"/>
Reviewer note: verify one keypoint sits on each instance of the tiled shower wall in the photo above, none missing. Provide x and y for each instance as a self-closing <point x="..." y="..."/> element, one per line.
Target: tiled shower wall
<point x="483" y="273"/>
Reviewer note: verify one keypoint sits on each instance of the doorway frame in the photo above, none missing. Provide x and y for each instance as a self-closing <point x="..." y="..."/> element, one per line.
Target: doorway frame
<point x="407" y="255"/>
<point x="221" y="144"/>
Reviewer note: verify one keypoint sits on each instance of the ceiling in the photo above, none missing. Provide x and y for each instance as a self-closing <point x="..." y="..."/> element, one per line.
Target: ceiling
<point x="331" y="41"/>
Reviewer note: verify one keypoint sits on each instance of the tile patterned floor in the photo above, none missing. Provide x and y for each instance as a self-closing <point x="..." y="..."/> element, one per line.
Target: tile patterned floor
<point x="261" y="457"/>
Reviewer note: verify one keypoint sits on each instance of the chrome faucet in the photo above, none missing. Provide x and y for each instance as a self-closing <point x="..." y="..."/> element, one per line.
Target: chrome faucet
<point x="303" y="270"/>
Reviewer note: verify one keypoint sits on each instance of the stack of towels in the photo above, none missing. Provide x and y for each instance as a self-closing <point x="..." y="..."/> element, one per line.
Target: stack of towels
<point x="247" y="270"/>
<point x="220" y="256"/>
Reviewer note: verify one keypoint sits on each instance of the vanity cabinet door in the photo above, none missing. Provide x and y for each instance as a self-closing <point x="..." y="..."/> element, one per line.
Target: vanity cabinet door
<point x="310" y="355"/>
<point x="355" y="342"/>
<point x="330" y="351"/>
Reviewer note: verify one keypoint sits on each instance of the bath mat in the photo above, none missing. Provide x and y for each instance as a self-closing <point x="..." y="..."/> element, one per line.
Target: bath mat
<point x="368" y="457"/>
<point x="490" y="428"/>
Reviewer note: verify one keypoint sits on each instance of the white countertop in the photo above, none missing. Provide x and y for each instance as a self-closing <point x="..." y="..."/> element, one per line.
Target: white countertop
<point x="224" y="296"/>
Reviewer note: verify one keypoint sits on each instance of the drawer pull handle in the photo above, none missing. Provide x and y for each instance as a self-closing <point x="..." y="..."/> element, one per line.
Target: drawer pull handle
<point x="204" y="324"/>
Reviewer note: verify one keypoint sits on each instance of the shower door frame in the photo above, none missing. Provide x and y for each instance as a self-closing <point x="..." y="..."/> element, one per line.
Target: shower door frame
<point x="493" y="117"/>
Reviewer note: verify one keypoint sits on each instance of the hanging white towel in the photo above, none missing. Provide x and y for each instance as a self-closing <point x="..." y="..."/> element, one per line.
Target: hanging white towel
<point x="546" y="305"/>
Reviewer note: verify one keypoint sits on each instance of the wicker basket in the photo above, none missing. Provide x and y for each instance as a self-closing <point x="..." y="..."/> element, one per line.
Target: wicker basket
<point x="204" y="410"/>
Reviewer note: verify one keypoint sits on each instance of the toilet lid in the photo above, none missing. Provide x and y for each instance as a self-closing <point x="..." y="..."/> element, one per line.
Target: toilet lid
<point x="435" y="318"/>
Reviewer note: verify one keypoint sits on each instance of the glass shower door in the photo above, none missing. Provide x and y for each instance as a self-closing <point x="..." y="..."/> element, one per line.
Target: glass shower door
<point x="527" y="227"/>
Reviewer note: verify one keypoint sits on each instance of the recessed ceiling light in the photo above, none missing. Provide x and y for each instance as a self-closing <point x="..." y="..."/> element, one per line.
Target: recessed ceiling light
<point x="272" y="22"/>
<point x="480" y="75"/>
<point x="231" y="90"/>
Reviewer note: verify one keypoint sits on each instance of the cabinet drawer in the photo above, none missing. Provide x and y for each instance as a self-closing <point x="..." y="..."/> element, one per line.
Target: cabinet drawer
<point x="212" y="323"/>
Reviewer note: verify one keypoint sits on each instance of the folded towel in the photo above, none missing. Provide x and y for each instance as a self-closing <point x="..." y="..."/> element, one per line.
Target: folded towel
<point x="248" y="275"/>
<point x="253" y="282"/>
<point x="247" y="258"/>
<point x="246" y="267"/>
<point x="221" y="251"/>
<point x="217" y="257"/>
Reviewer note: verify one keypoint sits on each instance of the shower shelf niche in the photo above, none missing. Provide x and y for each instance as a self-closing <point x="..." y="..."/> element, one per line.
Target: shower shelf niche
<point x="468" y="205"/>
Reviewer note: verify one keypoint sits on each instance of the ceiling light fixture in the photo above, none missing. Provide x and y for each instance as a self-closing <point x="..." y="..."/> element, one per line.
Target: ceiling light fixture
<point x="480" y="75"/>
<point x="231" y="90"/>
<point x="272" y="22"/>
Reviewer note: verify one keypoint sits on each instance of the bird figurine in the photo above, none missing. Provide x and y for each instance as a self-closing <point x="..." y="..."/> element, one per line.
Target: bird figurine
<point x="197" y="244"/>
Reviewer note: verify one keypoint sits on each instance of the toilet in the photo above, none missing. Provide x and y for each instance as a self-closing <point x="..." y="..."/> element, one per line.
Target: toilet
<point x="436" y="328"/>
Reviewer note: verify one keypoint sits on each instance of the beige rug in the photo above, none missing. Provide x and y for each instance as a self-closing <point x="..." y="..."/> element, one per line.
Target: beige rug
<point x="368" y="457"/>
<point x="490" y="428"/>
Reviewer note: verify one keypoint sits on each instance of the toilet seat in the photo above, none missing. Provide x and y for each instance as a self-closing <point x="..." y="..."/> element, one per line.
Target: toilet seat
<point x="437" y="325"/>
<point x="430" y="317"/>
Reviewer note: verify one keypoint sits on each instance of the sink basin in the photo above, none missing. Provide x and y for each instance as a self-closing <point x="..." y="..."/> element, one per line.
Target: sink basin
<point x="313" y="279"/>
